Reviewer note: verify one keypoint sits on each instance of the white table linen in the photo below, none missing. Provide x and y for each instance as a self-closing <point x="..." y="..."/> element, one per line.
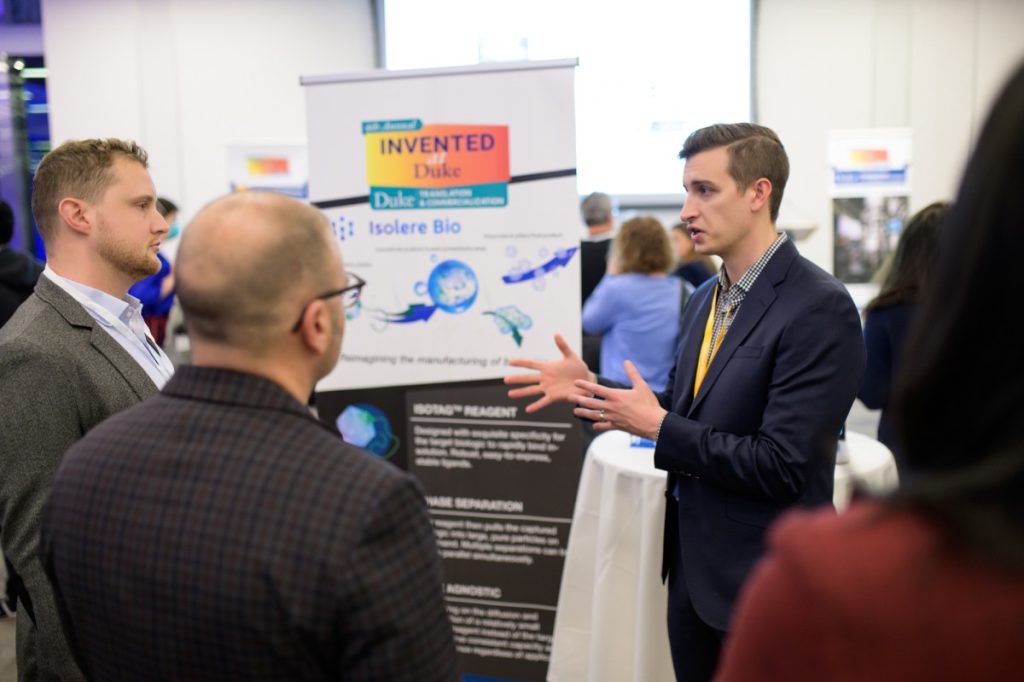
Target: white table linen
<point x="610" y="624"/>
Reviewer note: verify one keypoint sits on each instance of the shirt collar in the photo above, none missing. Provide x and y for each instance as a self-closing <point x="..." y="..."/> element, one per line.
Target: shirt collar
<point x="750" y="276"/>
<point x="122" y="309"/>
<point x="233" y="387"/>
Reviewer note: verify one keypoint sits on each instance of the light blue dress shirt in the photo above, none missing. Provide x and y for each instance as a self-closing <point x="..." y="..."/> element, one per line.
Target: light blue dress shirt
<point x="122" y="319"/>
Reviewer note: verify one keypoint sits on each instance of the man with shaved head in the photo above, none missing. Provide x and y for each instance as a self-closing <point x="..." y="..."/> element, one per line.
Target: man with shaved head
<point x="219" y="531"/>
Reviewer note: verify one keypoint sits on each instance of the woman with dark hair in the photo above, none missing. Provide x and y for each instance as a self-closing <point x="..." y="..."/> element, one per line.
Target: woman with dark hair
<point x="889" y="314"/>
<point x="636" y="305"/>
<point x="927" y="584"/>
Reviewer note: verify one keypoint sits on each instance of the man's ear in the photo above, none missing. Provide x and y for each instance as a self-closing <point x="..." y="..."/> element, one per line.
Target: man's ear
<point x="75" y="214"/>
<point x="315" y="327"/>
<point x="761" y="194"/>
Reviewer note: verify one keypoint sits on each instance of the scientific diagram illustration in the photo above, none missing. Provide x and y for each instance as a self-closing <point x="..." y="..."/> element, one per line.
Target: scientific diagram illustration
<point x="525" y="271"/>
<point x="365" y="426"/>
<point x="452" y="287"/>
<point x="511" y="320"/>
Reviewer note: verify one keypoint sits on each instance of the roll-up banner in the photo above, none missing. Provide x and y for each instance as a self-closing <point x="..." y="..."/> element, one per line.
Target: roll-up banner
<point x="452" y="192"/>
<point x="869" y="181"/>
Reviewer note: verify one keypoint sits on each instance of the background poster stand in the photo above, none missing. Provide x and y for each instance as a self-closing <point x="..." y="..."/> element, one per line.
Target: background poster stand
<point x="869" y="182"/>
<point x="453" y="193"/>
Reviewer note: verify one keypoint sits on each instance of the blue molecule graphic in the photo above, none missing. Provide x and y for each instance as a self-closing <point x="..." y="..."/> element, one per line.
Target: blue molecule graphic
<point x="453" y="286"/>
<point x="365" y="426"/>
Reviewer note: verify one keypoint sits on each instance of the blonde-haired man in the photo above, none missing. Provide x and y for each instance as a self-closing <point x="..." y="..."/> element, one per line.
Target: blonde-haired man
<point x="76" y="352"/>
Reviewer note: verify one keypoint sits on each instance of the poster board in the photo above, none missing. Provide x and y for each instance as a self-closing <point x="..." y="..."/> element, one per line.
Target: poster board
<point x="271" y="166"/>
<point x="869" y="182"/>
<point x="452" y="192"/>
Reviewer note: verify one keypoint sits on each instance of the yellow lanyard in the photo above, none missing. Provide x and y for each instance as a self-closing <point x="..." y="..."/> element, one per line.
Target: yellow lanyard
<point x="707" y="353"/>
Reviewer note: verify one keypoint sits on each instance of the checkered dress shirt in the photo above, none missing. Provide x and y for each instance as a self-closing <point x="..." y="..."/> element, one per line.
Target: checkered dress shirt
<point x="731" y="296"/>
<point x="219" y="532"/>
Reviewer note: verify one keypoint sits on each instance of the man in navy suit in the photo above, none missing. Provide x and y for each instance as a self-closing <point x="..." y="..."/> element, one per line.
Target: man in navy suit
<point x="770" y="361"/>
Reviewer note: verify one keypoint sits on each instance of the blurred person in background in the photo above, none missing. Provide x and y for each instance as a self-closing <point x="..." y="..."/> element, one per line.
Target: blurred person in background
<point x="889" y="314"/>
<point x="18" y="271"/>
<point x="636" y="307"/>
<point x="597" y="212"/>
<point x="929" y="583"/>
<point x="693" y="267"/>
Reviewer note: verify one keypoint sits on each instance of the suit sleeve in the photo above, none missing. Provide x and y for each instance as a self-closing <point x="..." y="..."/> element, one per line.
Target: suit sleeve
<point x="37" y="429"/>
<point x="815" y="372"/>
<point x="396" y="622"/>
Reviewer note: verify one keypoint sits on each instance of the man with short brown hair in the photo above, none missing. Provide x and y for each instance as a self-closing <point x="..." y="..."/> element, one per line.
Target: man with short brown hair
<point x="74" y="353"/>
<point x="769" y="362"/>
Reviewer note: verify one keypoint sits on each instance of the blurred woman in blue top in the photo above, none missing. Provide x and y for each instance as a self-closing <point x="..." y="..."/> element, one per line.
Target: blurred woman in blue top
<point x="636" y="305"/>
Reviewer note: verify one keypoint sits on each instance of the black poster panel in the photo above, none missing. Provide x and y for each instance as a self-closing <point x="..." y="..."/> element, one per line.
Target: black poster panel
<point x="501" y="485"/>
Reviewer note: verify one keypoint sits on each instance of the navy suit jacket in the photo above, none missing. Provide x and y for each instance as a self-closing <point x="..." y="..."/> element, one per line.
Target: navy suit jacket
<point x="761" y="434"/>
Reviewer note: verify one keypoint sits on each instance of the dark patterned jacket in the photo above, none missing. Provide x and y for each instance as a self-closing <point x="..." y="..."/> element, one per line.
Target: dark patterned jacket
<point x="220" y="532"/>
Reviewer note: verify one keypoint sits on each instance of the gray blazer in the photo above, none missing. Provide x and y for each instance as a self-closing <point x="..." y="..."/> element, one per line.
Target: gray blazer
<point x="61" y="374"/>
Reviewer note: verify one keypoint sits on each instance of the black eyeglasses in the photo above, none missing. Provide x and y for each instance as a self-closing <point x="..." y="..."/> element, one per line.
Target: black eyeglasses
<point x="350" y="296"/>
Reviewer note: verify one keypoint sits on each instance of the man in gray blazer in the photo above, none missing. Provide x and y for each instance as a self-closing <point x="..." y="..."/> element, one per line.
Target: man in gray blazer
<point x="76" y="352"/>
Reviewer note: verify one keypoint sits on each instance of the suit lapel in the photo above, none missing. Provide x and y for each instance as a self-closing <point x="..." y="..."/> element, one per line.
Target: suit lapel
<point x="686" y="367"/>
<point x="127" y="366"/>
<point x="752" y="310"/>
<point x="76" y="316"/>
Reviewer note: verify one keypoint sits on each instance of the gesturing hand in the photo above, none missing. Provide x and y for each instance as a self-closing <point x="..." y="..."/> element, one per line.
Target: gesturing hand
<point x="634" y="410"/>
<point x="553" y="380"/>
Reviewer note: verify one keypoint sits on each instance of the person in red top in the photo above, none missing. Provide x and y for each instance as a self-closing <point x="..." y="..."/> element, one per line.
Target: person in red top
<point x="929" y="583"/>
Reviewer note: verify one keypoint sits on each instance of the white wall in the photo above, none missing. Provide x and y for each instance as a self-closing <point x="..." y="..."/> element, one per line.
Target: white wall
<point x="187" y="77"/>
<point x="930" y="65"/>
